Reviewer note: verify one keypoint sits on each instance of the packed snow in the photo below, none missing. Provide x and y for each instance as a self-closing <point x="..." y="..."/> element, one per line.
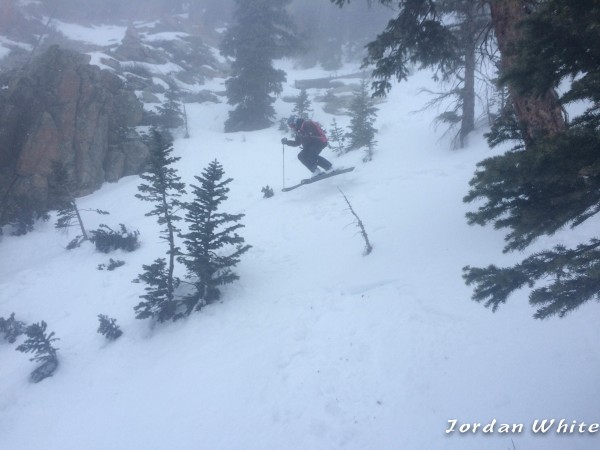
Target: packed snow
<point x="316" y="346"/>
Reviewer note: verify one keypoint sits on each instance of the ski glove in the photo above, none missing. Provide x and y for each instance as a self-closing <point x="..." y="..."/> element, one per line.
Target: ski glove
<point x="284" y="141"/>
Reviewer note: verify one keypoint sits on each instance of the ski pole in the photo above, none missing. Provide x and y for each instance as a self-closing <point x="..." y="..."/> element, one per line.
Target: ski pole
<point x="283" y="163"/>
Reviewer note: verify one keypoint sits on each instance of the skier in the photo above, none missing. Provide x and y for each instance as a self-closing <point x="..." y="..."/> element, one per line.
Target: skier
<point x="311" y="137"/>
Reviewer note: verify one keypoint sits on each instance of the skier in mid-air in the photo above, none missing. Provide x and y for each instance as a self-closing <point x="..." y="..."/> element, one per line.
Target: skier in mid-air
<point x="313" y="140"/>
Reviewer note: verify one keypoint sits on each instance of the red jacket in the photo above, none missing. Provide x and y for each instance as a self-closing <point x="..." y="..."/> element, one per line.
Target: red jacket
<point x="309" y="134"/>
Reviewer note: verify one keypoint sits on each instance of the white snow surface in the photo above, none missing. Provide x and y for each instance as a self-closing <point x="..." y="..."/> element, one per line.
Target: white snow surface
<point x="164" y="36"/>
<point x="96" y="34"/>
<point x="6" y="43"/>
<point x="316" y="346"/>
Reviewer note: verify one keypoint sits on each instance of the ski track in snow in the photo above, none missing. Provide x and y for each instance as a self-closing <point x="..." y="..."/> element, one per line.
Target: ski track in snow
<point x="316" y="346"/>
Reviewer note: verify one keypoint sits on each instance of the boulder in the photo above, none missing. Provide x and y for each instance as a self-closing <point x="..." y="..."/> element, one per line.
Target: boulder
<point x="61" y="109"/>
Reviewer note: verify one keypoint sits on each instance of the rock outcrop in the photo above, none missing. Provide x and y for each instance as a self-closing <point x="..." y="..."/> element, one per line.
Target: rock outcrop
<point x="61" y="109"/>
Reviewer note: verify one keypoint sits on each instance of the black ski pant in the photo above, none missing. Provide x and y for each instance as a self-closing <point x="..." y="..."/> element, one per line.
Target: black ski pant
<point x="309" y="156"/>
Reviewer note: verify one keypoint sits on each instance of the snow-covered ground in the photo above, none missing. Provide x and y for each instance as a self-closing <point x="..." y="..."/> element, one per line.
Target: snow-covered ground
<point x="316" y="346"/>
<point x="102" y="35"/>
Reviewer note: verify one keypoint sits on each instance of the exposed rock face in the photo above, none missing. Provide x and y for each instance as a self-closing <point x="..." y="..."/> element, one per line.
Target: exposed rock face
<point x="61" y="109"/>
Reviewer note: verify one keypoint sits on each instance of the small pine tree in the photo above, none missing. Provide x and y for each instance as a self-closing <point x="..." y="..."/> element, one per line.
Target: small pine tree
<point x="11" y="328"/>
<point x="303" y="105"/>
<point x="170" y="112"/>
<point x="362" y="116"/>
<point x="163" y="188"/>
<point x="209" y="233"/>
<point x="159" y="301"/>
<point x="337" y="138"/>
<point x="283" y="126"/>
<point x="108" y="327"/>
<point x="40" y="343"/>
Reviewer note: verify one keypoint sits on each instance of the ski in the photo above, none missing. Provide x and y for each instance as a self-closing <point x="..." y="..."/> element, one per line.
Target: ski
<point x="319" y="178"/>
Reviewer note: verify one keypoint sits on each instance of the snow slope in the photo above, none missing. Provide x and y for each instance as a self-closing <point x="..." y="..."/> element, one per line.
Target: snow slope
<point x="316" y="346"/>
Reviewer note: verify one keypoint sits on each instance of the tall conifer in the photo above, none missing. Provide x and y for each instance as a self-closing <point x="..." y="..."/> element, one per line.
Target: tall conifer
<point x="551" y="177"/>
<point x="262" y="32"/>
<point x="444" y="35"/>
<point x="163" y="188"/>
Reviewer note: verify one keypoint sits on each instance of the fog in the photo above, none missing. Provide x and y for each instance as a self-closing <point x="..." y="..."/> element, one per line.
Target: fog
<point x="329" y="33"/>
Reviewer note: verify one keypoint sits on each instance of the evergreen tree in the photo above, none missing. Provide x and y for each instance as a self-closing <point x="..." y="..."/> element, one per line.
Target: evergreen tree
<point x="362" y="117"/>
<point x="162" y="188"/>
<point x="440" y="34"/>
<point x="283" y="126"/>
<point x="337" y="138"/>
<point x="330" y="35"/>
<point x="209" y="264"/>
<point x="108" y="327"/>
<point x="551" y="178"/>
<point x="170" y="112"/>
<point x="537" y="113"/>
<point x="303" y="105"/>
<point x="262" y="32"/>
<point x="40" y="343"/>
<point x="159" y="300"/>
<point x="23" y="213"/>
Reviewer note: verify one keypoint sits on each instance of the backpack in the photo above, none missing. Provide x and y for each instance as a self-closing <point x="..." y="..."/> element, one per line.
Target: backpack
<point x="314" y="130"/>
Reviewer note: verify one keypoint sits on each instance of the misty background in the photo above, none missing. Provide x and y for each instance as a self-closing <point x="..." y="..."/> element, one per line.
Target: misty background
<point x="329" y="35"/>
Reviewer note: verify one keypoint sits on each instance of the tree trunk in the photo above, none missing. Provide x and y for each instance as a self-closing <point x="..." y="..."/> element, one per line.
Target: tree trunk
<point x="539" y="115"/>
<point x="171" y="239"/>
<point x="468" y="96"/>
<point x="79" y="220"/>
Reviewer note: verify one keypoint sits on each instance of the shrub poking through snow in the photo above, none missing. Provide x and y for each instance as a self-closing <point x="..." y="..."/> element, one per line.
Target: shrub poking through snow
<point x="11" y="328"/>
<point x="40" y="344"/>
<point x="112" y="264"/>
<point x="108" y="328"/>
<point x="267" y="192"/>
<point x="107" y="240"/>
